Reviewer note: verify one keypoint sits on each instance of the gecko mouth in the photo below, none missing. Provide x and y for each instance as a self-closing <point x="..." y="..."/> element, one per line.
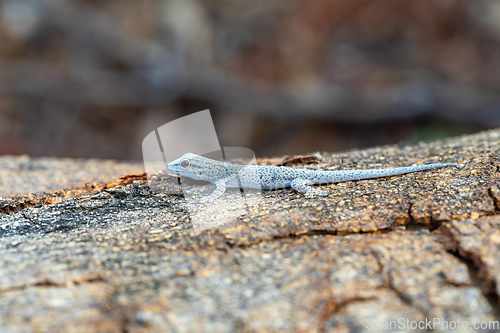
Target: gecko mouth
<point x="172" y="168"/>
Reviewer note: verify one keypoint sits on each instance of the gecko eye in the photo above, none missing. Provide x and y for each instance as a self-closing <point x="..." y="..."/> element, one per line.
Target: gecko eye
<point x="185" y="164"/>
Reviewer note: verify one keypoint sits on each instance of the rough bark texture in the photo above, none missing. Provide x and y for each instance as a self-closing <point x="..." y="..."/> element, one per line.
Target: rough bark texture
<point x="123" y="258"/>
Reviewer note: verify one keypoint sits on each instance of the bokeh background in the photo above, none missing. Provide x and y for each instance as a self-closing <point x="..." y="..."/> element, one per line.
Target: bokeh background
<point x="91" y="78"/>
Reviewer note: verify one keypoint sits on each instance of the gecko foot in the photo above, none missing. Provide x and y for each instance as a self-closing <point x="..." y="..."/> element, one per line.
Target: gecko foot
<point x="301" y="185"/>
<point x="206" y="199"/>
<point x="221" y="188"/>
<point x="311" y="194"/>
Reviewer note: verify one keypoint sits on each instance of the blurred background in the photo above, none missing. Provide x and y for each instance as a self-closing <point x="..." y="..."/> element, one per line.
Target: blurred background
<point x="91" y="78"/>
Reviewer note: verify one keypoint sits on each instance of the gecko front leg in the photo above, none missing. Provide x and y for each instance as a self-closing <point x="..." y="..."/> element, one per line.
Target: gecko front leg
<point x="221" y="188"/>
<point x="302" y="185"/>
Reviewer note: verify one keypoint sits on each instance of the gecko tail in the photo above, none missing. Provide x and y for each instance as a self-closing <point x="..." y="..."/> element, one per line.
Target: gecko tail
<point x="404" y="170"/>
<point x="341" y="176"/>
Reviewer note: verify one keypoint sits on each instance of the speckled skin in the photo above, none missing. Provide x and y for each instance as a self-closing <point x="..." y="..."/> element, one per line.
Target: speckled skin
<point x="272" y="177"/>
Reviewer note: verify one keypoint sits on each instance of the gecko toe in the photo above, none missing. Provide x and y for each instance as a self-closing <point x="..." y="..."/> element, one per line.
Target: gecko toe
<point x="311" y="194"/>
<point x="205" y="200"/>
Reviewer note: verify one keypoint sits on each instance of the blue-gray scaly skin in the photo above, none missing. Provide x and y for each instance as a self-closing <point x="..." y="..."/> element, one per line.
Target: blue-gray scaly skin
<point x="272" y="177"/>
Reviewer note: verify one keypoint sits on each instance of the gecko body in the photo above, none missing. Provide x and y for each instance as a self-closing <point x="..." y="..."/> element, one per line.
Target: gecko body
<point x="274" y="177"/>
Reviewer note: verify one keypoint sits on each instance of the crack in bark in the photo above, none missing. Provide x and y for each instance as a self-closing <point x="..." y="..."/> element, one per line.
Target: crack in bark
<point x="475" y="267"/>
<point x="290" y="235"/>
<point x="51" y="283"/>
<point x="413" y="224"/>
<point x="496" y="202"/>
<point x="331" y="307"/>
<point x="27" y="217"/>
<point x="486" y="286"/>
<point x="124" y="314"/>
<point x="390" y="284"/>
<point x="308" y="233"/>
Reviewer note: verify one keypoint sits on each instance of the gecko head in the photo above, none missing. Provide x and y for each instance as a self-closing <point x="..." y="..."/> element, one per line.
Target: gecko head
<point x="193" y="166"/>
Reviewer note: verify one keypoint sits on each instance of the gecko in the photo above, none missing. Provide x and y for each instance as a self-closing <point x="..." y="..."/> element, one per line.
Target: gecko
<point x="267" y="177"/>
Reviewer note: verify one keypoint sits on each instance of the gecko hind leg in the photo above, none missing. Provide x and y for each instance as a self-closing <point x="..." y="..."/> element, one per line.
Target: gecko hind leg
<point x="221" y="188"/>
<point x="302" y="185"/>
